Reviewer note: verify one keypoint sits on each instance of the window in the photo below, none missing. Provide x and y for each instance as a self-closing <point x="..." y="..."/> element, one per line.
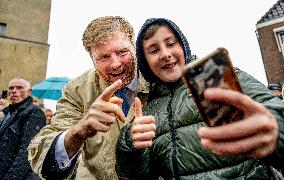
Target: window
<point x="279" y="35"/>
<point x="2" y="28"/>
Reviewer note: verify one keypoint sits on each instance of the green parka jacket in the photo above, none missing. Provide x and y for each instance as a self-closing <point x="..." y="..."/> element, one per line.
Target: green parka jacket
<point x="176" y="152"/>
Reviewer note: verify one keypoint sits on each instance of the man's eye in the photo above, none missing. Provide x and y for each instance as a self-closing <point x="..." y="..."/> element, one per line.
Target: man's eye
<point x="103" y="57"/>
<point x="122" y="53"/>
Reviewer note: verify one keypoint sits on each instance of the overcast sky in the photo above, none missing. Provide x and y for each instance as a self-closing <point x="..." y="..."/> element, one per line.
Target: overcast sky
<point x="207" y="25"/>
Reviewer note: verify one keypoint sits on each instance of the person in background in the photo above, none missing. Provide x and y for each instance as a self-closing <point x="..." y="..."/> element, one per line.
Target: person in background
<point x="276" y="90"/>
<point x="168" y="137"/>
<point x="283" y="92"/>
<point x="22" y="121"/>
<point x="48" y="115"/>
<point x="2" y="106"/>
<point x="88" y="117"/>
<point x="4" y="102"/>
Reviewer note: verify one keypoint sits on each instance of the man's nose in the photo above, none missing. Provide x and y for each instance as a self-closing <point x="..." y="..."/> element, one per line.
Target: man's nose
<point x="115" y="61"/>
<point x="14" y="90"/>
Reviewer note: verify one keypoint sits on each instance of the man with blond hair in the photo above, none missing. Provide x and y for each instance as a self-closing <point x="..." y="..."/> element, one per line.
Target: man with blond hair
<point x="89" y="115"/>
<point x="22" y="121"/>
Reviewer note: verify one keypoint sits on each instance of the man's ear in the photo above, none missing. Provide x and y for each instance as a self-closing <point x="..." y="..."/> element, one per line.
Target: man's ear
<point x="30" y="91"/>
<point x="92" y="58"/>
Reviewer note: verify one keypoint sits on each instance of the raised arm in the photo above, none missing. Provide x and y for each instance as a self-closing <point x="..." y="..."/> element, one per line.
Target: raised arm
<point x="100" y="117"/>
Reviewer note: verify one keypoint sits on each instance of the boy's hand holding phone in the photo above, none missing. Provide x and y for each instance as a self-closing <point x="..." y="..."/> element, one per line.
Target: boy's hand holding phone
<point x="237" y="125"/>
<point x="256" y="135"/>
<point x="213" y="71"/>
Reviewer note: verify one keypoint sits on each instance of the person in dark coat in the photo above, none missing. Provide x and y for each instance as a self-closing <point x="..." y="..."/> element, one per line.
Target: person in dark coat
<point x="22" y="121"/>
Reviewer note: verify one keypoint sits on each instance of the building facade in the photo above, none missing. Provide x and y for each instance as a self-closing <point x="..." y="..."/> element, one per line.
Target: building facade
<point x="270" y="34"/>
<point x="24" y="27"/>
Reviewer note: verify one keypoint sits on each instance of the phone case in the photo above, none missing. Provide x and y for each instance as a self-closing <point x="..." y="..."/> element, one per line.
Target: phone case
<point x="214" y="70"/>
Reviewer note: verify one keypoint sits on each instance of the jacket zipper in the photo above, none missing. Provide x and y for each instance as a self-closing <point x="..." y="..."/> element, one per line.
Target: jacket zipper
<point x="173" y="135"/>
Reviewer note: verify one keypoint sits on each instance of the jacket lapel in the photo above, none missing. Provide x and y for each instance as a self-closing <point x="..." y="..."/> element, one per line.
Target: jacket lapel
<point x="13" y="115"/>
<point x="9" y="121"/>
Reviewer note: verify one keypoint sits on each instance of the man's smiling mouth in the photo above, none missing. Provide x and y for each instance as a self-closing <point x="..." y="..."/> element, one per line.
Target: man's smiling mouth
<point x="118" y="74"/>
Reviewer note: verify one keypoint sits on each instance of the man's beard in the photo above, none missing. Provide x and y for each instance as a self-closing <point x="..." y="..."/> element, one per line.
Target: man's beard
<point x="128" y="75"/>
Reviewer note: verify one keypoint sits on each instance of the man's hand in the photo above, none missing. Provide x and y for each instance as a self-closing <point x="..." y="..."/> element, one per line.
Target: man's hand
<point x="143" y="129"/>
<point x="100" y="117"/>
<point x="256" y="135"/>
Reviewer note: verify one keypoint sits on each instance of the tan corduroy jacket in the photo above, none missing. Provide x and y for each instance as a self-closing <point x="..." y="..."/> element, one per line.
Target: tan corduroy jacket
<point x="98" y="152"/>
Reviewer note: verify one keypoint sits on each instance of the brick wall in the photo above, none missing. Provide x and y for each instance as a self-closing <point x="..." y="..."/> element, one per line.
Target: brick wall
<point x="24" y="47"/>
<point x="24" y="59"/>
<point x="272" y="59"/>
<point x="27" y="19"/>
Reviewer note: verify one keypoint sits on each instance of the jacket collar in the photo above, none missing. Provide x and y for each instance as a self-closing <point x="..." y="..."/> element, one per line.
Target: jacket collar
<point x="167" y="88"/>
<point x="22" y="105"/>
<point x="14" y="111"/>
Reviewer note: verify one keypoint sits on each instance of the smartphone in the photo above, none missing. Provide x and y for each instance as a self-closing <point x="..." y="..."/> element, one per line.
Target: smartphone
<point x="214" y="70"/>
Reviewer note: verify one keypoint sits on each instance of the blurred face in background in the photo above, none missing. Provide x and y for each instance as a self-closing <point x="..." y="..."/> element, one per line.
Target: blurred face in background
<point x="2" y="104"/>
<point x="48" y="115"/>
<point x="19" y="89"/>
<point x="276" y="92"/>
